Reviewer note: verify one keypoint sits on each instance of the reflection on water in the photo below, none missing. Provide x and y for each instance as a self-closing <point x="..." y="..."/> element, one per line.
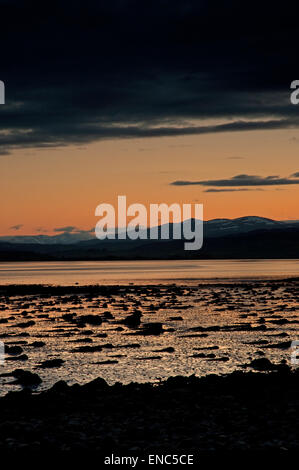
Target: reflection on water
<point x="145" y="333"/>
<point x="93" y="272"/>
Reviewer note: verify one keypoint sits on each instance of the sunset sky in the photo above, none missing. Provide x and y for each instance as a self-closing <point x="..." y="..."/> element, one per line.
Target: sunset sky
<point x="116" y="100"/>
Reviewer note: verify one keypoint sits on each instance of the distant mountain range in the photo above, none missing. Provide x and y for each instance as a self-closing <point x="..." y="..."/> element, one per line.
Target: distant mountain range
<point x="212" y="228"/>
<point x="64" y="238"/>
<point x="244" y="237"/>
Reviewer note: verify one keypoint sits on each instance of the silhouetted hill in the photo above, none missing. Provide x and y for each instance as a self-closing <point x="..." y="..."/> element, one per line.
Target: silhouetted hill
<point x="212" y="228"/>
<point x="270" y="243"/>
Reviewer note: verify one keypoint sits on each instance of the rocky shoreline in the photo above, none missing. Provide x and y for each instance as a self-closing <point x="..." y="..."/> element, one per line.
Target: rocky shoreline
<point x="249" y="412"/>
<point x="58" y="333"/>
<point x="144" y="333"/>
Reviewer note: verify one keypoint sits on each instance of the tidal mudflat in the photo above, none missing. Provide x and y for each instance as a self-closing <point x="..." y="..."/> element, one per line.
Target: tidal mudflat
<point x="145" y="333"/>
<point x="145" y="368"/>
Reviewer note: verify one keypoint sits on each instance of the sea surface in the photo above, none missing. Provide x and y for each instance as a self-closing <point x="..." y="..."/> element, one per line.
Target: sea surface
<point x="109" y="272"/>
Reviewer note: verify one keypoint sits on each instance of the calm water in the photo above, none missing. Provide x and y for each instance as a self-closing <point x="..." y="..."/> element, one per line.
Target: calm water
<point x="106" y="272"/>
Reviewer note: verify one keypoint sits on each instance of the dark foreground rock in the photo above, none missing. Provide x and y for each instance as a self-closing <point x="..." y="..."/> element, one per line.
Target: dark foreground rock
<point x="242" y="412"/>
<point x="25" y="378"/>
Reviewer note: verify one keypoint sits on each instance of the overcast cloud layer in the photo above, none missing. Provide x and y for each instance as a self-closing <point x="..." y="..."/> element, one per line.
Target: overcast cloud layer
<point x="76" y="72"/>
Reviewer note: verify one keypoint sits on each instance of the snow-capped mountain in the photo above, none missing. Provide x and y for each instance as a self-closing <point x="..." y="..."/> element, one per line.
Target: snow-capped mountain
<point x="212" y="228"/>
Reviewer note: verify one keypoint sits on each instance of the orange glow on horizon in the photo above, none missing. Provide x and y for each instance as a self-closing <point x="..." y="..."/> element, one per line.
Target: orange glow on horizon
<point x="44" y="189"/>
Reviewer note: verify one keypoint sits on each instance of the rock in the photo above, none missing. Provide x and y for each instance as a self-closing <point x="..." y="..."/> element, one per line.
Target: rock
<point x="108" y="315"/>
<point x="205" y="328"/>
<point x="280" y="321"/>
<point x="51" y="363"/>
<point x="148" y="358"/>
<point x="68" y="316"/>
<point x="13" y="350"/>
<point x="262" y="364"/>
<point x="59" y="387"/>
<point x="132" y="320"/>
<point x="37" y="344"/>
<point x="152" y="329"/>
<point x="168" y="350"/>
<point x="281" y="335"/>
<point x="89" y="320"/>
<point x="26" y="324"/>
<point x="22" y="357"/>
<point x="26" y="378"/>
<point x="282" y="345"/>
<point x="107" y="346"/>
<point x="95" y="385"/>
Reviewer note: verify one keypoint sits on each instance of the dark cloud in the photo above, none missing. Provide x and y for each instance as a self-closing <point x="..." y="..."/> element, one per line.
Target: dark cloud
<point x="72" y="229"/>
<point x="295" y="175"/>
<point x="76" y="72"/>
<point x="91" y="230"/>
<point x="241" y="180"/>
<point x="68" y="229"/>
<point x="16" y="227"/>
<point x="213" y="190"/>
<point x="79" y="133"/>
